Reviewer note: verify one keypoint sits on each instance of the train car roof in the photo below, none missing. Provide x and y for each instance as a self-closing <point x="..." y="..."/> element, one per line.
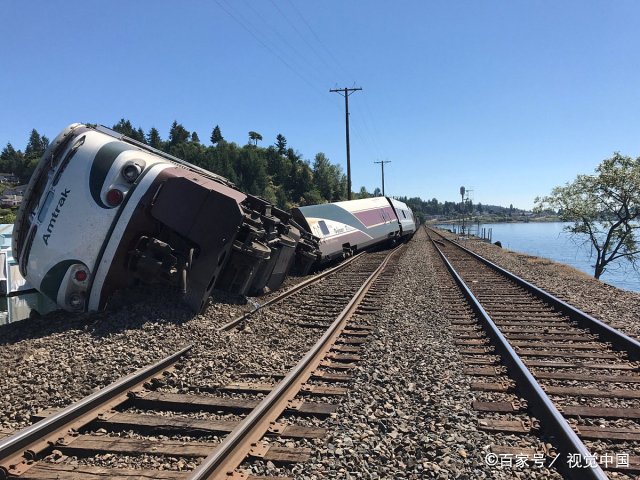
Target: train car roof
<point x="398" y="203"/>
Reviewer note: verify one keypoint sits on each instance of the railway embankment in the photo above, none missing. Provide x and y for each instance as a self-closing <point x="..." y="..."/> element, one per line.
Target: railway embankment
<point x="408" y="413"/>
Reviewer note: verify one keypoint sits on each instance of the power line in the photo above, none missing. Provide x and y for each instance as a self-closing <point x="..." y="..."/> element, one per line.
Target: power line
<point x="326" y="49"/>
<point x="297" y="57"/>
<point x="304" y="39"/>
<point x="271" y="38"/>
<point x="376" y="133"/>
<point x="243" y="24"/>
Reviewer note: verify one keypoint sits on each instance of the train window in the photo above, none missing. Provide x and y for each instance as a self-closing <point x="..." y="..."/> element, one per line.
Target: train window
<point x="67" y="159"/>
<point x="323" y="227"/>
<point x="45" y="207"/>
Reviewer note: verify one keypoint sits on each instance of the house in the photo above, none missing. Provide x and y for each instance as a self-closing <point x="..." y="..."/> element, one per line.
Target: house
<point x="9" y="178"/>
<point x="12" y="197"/>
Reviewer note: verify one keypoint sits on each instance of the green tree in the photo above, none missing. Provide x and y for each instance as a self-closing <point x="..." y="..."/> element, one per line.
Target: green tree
<point x="339" y="182"/>
<point x="139" y="135"/>
<point x="328" y="178"/>
<point x="216" y="135"/>
<point x="36" y="146"/>
<point x="323" y="176"/>
<point x="281" y="144"/>
<point x="14" y="161"/>
<point x="363" y="193"/>
<point x="124" y="127"/>
<point x="153" y="138"/>
<point x="178" y="134"/>
<point x="254" y="137"/>
<point x="251" y="169"/>
<point x="604" y="209"/>
<point x="301" y="183"/>
<point x="195" y="138"/>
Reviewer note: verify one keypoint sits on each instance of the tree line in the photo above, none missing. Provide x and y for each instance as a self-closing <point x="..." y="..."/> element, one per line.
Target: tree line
<point x="22" y="164"/>
<point x="276" y="172"/>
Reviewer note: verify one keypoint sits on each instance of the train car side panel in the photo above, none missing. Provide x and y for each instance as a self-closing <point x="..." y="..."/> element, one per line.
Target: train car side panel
<point x="349" y="226"/>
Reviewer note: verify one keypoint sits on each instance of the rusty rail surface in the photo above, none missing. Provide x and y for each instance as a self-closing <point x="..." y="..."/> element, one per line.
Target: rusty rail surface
<point x="17" y="450"/>
<point x="619" y="340"/>
<point x="40" y="452"/>
<point x="539" y="402"/>
<point x="235" y="447"/>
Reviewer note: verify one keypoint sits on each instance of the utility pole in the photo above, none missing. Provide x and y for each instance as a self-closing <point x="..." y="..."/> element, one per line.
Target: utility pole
<point x="462" y="190"/>
<point x="345" y="92"/>
<point x="382" y="162"/>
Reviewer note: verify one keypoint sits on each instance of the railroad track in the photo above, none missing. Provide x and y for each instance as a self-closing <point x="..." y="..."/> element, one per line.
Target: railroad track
<point x="578" y="376"/>
<point x="215" y="429"/>
<point x="295" y="290"/>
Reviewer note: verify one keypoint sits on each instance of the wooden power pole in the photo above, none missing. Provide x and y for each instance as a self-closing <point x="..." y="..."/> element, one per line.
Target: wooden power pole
<point x="382" y="162"/>
<point x="345" y="92"/>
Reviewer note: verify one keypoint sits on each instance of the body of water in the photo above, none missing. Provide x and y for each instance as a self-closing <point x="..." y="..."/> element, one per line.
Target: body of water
<point x="549" y="240"/>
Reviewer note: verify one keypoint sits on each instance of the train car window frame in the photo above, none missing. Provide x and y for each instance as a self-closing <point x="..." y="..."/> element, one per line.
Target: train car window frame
<point x="323" y="227"/>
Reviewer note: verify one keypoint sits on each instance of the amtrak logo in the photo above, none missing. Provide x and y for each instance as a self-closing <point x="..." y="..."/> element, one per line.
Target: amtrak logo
<point x="54" y="216"/>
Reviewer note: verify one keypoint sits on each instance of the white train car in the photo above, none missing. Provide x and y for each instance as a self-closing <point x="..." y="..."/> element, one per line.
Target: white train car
<point x="405" y="217"/>
<point x="102" y="211"/>
<point x="350" y="226"/>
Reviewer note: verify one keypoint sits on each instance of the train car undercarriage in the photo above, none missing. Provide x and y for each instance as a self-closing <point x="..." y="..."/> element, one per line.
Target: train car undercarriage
<point x="198" y="234"/>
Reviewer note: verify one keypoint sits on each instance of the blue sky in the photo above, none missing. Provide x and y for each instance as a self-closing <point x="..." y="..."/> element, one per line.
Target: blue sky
<point x="509" y="98"/>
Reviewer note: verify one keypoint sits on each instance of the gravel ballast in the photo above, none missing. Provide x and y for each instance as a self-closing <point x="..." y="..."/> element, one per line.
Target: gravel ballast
<point x="408" y="413"/>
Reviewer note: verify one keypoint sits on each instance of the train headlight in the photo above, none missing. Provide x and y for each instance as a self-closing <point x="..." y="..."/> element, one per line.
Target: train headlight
<point x="76" y="301"/>
<point x="131" y="172"/>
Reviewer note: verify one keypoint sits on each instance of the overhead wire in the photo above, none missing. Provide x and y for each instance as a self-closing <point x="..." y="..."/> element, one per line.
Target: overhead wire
<point x="371" y="131"/>
<point x="304" y="39"/>
<point x="228" y="10"/>
<point x="300" y="60"/>
<point x="318" y="39"/>
<point x="302" y="65"/>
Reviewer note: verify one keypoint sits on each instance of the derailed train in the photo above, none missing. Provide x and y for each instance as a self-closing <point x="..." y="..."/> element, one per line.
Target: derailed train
<point x="103" y="211"/>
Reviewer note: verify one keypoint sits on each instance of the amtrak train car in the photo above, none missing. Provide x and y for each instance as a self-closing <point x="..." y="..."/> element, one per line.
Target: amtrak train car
<point x="350" y="226"/>
<point x="405" y="218"/>
<point x="103" y="211"/>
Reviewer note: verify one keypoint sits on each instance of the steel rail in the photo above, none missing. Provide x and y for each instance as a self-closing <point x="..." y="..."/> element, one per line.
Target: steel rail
<point x="288" y="293"/>
<point x="235" y="447"/>
<point x="619" y="340"/>
<point x="540" y="404"/>
<point x="41" y="433"/>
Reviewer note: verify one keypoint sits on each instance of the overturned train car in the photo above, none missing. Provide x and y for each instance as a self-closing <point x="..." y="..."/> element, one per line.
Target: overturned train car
<point x="350" y="226"/>
<point x="103" y="211"/>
